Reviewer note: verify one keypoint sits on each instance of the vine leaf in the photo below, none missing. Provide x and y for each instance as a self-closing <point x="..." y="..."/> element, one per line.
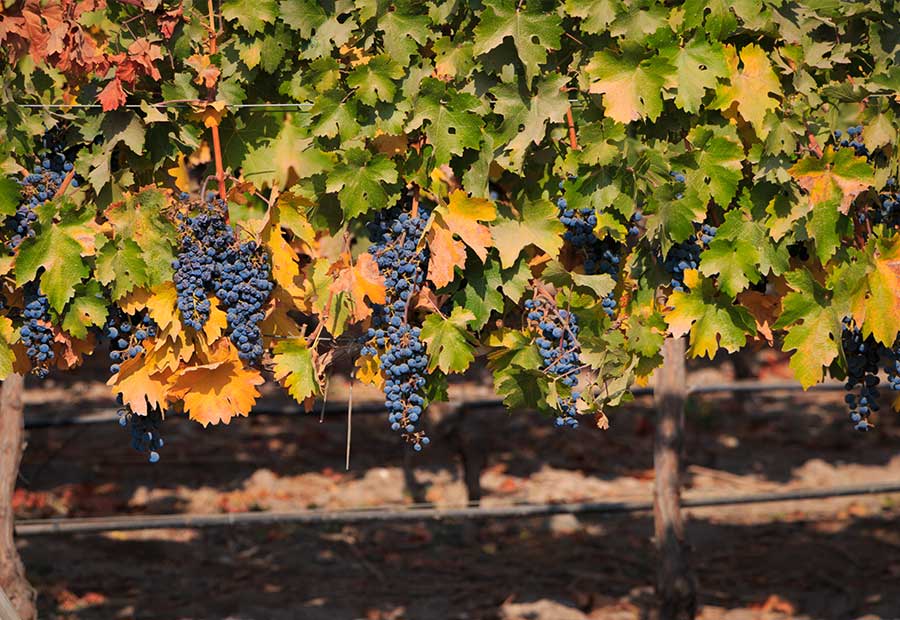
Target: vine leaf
<point x="719" y="164"/>
<point x="452" y="126"/>
<point x="121" y="265"/>
<point x="460" y="217"/>
<point x="751" y="85"/>
<point x="58" y="250"/>
<point x="9" y="196"/>
<point x="218" y="390"/>
<point x="143" y="386"/>
<point x="8" y="336"/>
<point x="285" y="260"/>
<point x="87" y="309"/>
<point x="448" y="346"/>
<point x="295" y="369"/>
<point x="251" y="15"/>
<point x="882" y="305"/>
<point x="538" y="225"/>
<point x="285" y="159"/>
<point x="139" y="219"/>
<point x="481" y="294"/>
<point x="368" y="370"/>
<point x="813" y="327"/>
<point x="359" y="281"/>
<point x="112" y="96"/>
<point x="359" y="182"/>
<point x="533" y="32"/>
<point x="712" y="322"/>
<point x="835" y="179"/>
<point x="374" y="81"/>
<point x="698" y="65"/>
<point x="303" y="16"/>
<point x="631" y="86"/>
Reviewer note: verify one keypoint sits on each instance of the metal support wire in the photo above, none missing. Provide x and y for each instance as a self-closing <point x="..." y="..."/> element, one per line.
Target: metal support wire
<point x="105" y="416"/>
<point x="95" y="525"/>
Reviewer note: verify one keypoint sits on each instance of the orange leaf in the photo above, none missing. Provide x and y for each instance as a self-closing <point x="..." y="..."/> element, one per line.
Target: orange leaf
<point x="446" y="254"/>
<point x="141" y="385"/>
<point x="360" y="281"/>
<point x="207" y="73"/>
<point x="112" y="95"/>
<point x="285" y="260"/>
<point x="219" y="390"/>
<point x="459" y="218"/>
<point x="764" y="308"/>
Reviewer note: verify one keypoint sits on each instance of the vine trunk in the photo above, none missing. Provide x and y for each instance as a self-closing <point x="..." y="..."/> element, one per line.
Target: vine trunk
<point x="676" y="584"/>
<point x="12" y="442"/>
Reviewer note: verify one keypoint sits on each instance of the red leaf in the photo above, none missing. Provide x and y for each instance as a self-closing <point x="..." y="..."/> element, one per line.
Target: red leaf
<point x="112" y="96"/>
<point x="169" y="20"/>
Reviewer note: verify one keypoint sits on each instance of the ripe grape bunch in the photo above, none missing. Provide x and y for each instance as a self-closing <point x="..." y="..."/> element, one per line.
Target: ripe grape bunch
<point x="863" y="355"/>
<point x="212" y="259"/>
<point x="600" y="256"/>
<point x="127" y="336"/>
<point x="36" y="188"/>
<point x="887" y="210"/>
<point x="686" y="254"/>
<point x="395" y="235"/>
<point x="144" y="429"/>
<point x="37" y="336"/>
<point x="206" y="238"/>
<point x="557" y="341"/>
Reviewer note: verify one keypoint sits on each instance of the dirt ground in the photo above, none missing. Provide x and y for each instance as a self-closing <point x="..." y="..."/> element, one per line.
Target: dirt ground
<point x="837" y="559"/>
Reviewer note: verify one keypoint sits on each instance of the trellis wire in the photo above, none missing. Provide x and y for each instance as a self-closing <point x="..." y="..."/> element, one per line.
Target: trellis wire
<point x="430" y="513"/>
<point x="741" y="387"/>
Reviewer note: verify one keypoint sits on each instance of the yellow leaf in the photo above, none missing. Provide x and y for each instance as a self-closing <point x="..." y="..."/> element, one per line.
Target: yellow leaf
<point x="368" y="370"/>
<point x="179" y="172"/>
<point x="285" y="260"/>
<point x="219" y="390"/>
<point x="882" y="305"/>
<point x="460" y="217"/>
<point x="752" y="85"/>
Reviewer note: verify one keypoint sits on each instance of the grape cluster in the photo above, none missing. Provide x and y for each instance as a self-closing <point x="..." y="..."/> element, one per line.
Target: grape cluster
<point x="211" y="259"/>
<point x="205" y="239"/>
<point x="37" y="336"/>
<point x="601" y="256"/>
<point x="144" y="429"/>
<point x="395" y="235"/>
<point x="853" y="139"/>
<point x="243" y="285"/>
<point x="557" y="342"/>
<point x="863" y="355"/>
<point x="127" y="336"/>
<point x="686" y="254"/>
<point x="36" y="188"/>
<point x="634" y="227"/>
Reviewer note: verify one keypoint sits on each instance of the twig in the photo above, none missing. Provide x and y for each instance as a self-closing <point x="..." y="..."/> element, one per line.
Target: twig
<point x="573" y="140"/>
<point x="65" y="184"/>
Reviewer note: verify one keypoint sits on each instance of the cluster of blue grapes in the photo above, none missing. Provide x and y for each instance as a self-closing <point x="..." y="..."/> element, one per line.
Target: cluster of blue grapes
<point x="211" y="259"/>
<point x="863" y="355"/>
<point x="601" y="256"/>
<point x="557" y="342"/>
<point x="395" y="235"/>
<point x="853" y="139"/>
<point x="205" y="239"/>
<point x="37" y="336"/>
<point x="126" y="336"/>
<point x="243" y="286"/>
<point x="144" y="429"/>
<point x="36" y="188"/>
<point x="686" y="254"/>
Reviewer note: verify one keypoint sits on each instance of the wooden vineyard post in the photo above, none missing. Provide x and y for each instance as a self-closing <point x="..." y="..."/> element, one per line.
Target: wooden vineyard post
<point x="676" y="584"/>
<point x="12" y="441"/>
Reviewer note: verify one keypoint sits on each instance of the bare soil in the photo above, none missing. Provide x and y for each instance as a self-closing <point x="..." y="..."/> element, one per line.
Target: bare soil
<point x="836" y="559"/>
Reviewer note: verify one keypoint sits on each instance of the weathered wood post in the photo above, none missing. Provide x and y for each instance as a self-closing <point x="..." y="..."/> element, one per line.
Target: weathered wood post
<point x="12" y="442"/>
<point x="676" y="584"/>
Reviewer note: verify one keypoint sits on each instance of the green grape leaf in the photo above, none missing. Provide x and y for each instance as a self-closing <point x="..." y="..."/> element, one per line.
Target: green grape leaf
<point x="452" y="126"/>
<point x="813" y="325"/>
<point x="9" y="196"/>
<point x="532" y="31"/>
<point x="57" y="249"/>
<point x="403" y="34"/>
<point x="481" y="294"/>
<point x="447" y="340"/>
<point x="251" y="15"/>
<point x="87" y="309"/>
<point x="596" y="15"/>
<point x="713" y="323"/>
<point x="835" y="179"/>
<point x="285" y="159"/>
<point x="600" y="285"/>
<point x="673" y="218"/>
<point x="294" y="368"/>
<point x="719" y="157"/>
<point x="538" y="225"/>
<point x="525" y="119"/>
<point x="304" y="16"/>
<point x="631" y="86"/>
<point x="121" y="266"/>
<point x="141" y="220"/>
<point x="374" y="81"/>
<point x="360" y="181"/>
<point x="698" y="67"/>
<point x="334" y="116"/>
